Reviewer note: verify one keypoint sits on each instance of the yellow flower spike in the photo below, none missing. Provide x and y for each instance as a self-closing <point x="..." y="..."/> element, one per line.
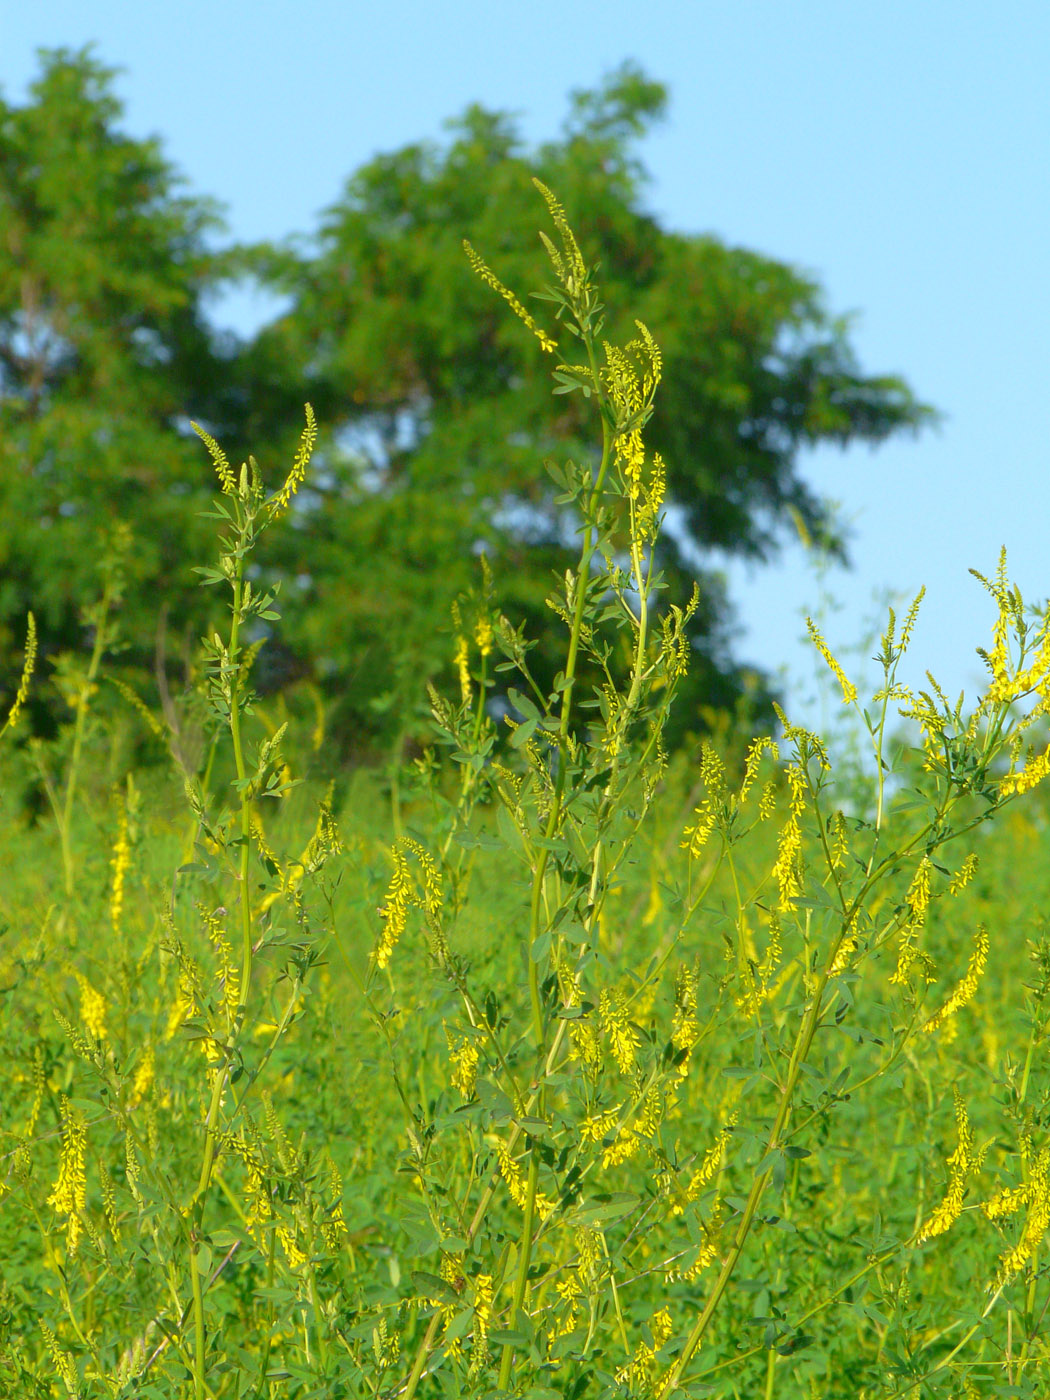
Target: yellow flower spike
<point x="1033" y="773"/>
<point x="755" y="750"/>
<point x="28" y="666"/>
<point x="220" y="461"/>
<point x="120" y="863"/>
<point x="1035" y="1194"/>
<point x="92" y="1009"/>
<point x="464" y="1056"/>
<point x="964" y="1163"/>
<point x="964" y="992"/>
<point x="576" y="274"/>
<point x="62" y="1361"/>
<point x="69" y="1194"/>
<point x="482" y="1321"/>
<point x="489" y="277"/>
<point x="461" y="659"/>
<point x="612" y="1016"/>
<point x="599" y="1125"/>
<point x="300" y="462"/>
<point x="849" y="690"/>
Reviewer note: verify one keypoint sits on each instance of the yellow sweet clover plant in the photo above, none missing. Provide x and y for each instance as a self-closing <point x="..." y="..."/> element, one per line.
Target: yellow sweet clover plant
<point x="618" y="1095"/>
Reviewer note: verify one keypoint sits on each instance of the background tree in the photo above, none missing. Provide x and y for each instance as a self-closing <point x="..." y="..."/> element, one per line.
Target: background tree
<point x="105" y="352"/>
<point x="438" y="406"/>
<point x="435" y="408"/>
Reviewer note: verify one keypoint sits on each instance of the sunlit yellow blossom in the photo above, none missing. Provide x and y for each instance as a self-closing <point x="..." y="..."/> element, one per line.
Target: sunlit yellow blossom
<point x="1033" y="773"/>
<point x="843" y="957"/>
<point x="965" y="874"/>
<point x="621" y="1149"/>
<point x="402" y="894"/>
<point x="599" y="1125"/>
<point x="516" y="1185"/>
<point x="569" y="1294"/>
<point x="92" y="1009"/>
<point x="709" y="1165"/>
<point x="482" y="1320"/>
<point x="612" y="1014"/>
<point x="849" y="690"/>
<point x="223" y="470"/>
<point x="640" y="1371"/>
<point x="487" y="275"/>
<point x="120" y="862"/>
<point x="461" y="658"/>
<point x="28" y="664"/>
<point x="300" y="462"/>
<point x="464" y="1054"/>
<point x="964" y="992"/>
<point x="143" y="1077"/>
<point x="755" y="750"/>
<point x="964" y="1163"/>
<point x="573" y="270"/>
<point x="62" y="1362"/>
<point x="69" y="1194"/>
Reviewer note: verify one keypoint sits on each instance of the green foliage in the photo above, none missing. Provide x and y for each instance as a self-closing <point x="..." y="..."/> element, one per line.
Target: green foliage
<point x="432" y="413"/>
<point x="434" y="397"/>
<point x="104" y="270"/>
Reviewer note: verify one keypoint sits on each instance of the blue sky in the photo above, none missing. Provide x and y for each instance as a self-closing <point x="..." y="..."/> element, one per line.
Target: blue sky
<point x="897" y="151"/>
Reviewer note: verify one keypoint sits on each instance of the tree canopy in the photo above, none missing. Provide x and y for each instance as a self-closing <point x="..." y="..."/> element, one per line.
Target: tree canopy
<point x="435" y="407"/>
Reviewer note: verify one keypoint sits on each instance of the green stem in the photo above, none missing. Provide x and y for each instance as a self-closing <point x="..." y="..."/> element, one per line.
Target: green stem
<point x="222" y="1069"/>
<point x="65" y="819"/>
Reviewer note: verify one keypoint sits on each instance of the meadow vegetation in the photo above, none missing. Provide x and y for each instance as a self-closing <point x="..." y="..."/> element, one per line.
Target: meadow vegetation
<point x="561" y="1067"/>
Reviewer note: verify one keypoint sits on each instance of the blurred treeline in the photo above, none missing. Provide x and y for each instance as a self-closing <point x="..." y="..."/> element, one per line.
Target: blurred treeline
<point x="435" y="407"/>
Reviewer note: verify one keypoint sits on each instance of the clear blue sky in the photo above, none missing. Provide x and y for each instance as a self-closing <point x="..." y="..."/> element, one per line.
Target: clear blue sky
<point x="900" y="152"/>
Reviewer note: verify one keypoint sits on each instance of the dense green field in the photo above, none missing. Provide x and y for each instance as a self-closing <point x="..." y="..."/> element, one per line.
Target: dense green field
<point x="551" y="1064"/>
<point x="351" y="1161"/>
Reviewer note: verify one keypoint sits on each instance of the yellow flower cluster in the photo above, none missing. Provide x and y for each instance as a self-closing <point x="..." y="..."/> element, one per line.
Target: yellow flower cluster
<point x="917" y="902"/>
<point x="849" y="690"/>
<point x="62" y="1361"/>
<point x="640" y="1371"/>
<point x="300" y="463"/>
<point x="486" y="274"/>
<point x="464" y="1054"/>
<point x="92" y="1009"/>
<point x="964" y="1163"/>
<point x="964" y="992"/>
<point x="28" y="664"/>
<point x="569" y="266"/>
<point x="788" y="870"/>
<point x="220" y="461"/>
<point x="706" y="815"/>
<point x="69" y="1194"/>
<point x="613" y="1018"/>
<point x="120" y="863"/>
<point x="569" y="1295"/>
<point x="403" y="895"/>
<point x="1035" y="1194"/>
<point x="482" y="1321"/>
<point x="709" y="1165"/>
<point x="511" y="1174"/>
<point x="685" y="1030"/>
